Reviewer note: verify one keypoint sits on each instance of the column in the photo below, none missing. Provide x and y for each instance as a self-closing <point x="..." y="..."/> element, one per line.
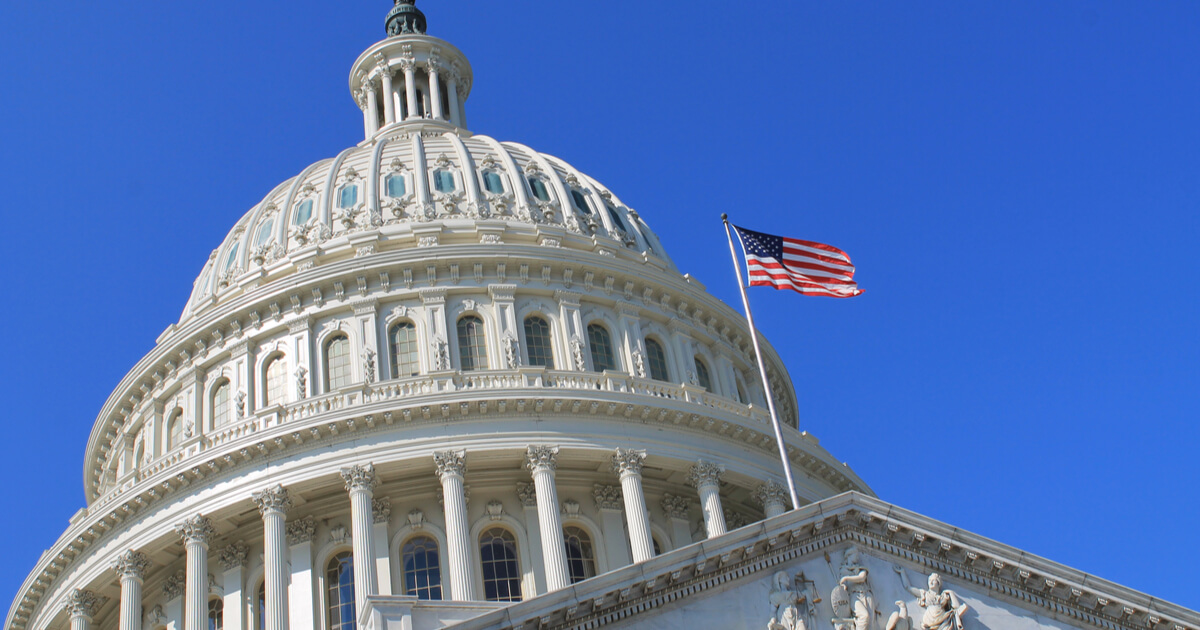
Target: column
<point x="435" y="90"/>
<point x="676" y="508"/>
<point x="528" y="497"/>
<point x="233" y="561"/>
<point x="360" y="483"/>
<point x="273" y="503"/>
<point x="608" y="503"/>
<point x="451" y="468"/>
<point x="627" y="463"/>
<point x="368" y="87"/>
<point x="706" y="478"/>
<point x="381" y="511"/>
<point x="632" y="339"/>
<point x="131" y="568"/>
<point x="303" y="584"/>
<point x="389" y="107"/>
<point x="452" y="92"/>
<point x="543" y="460"/>
<point x="773" y="497"/>
<point x="196" y="532"/>
<point x="81" y="606"/>
<point x="408" y="65"/>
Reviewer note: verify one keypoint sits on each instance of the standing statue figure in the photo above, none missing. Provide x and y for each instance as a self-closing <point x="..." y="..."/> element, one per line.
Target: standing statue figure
<point x="792" y="603"/>
<point x="852" y="600"/>
<point x="369" y="365"/>
<point x="943" y="609"/>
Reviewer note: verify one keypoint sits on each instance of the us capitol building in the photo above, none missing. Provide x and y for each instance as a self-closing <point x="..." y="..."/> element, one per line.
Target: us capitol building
<point x="441" y="380"/>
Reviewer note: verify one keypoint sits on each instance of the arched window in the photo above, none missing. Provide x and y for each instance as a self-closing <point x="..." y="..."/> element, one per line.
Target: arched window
<point x="405" y="360"/>
<point x="337" y="363"/>
<point x="657" y="359"/>
<point x="501" y="571"/>
<point x="348" y="196"/>
<point x="443" y="181"/>
<point x="537" y="342"/>
<point x="616" y="219"/>
<point x="220" y="404"/>
<point x="741" y="392"/>
<point x="580" y="202"/>
<point x="260" y="606"/>
<point x="303" y="212"/>
<point x="232" y="258"/>
<point x="600" y="343"/>
<point x="472" y="344"/>
<point x="657" y="545"/>
<point x="539" y="189"/>
<point x="339" y="588"/>
<point x="395" y="185"/>
<point x="581" y="557"/>
<point x="702" y="377"/>
<point x="492" y="182"/>
<point x="175" y="429"/>
<point x="276" y="382"/>
<point x="422" y="568"/>
<point x="216" y="614"/>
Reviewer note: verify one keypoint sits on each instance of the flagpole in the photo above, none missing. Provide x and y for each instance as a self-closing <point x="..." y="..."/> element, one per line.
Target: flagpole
<point x="762" y="369"/>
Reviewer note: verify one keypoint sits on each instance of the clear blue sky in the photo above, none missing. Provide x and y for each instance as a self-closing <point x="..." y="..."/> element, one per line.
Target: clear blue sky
<point x="1016" y="181"/>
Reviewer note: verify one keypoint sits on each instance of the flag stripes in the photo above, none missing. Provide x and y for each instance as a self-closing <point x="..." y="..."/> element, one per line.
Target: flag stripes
<point x="803" y="266"/>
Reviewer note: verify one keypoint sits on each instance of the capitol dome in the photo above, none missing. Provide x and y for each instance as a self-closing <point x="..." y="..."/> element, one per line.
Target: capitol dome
<point x="435" y="365"/>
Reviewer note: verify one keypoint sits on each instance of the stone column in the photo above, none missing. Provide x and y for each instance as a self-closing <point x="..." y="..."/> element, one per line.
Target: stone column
<point x="706" y="478"/>
<point x="543" y="460"/>
<point x="131" y="568"/>
<point x="273" y="503"/>
<point x="196" y="532"/>
<point x="389" y="107"/>
<point x="360" y="483"/>
<point x="435" y="90"/>
<point x="627" y="463"/>
<point x="409" y="66"/>
<point x="303" y="583"/>
<point x="681" y="527"/>
<point x="452" y="91"/>
<point x="81" y="606"/>
<point x="451" y="468"/>
<point x="381" y="511"/>
<point x="528" y="496"/>
<point x="368" y="87"/>
<point x="773" y="497"/>
<point x="612" y="520"/>
<point x="233" y="561"/>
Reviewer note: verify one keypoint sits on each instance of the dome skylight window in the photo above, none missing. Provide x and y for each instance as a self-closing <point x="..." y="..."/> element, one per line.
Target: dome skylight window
<point x="348" y="196"/>
<point x="303" y="212"/>
<point x="395" y="186"/>
<point x="443" y="181"/>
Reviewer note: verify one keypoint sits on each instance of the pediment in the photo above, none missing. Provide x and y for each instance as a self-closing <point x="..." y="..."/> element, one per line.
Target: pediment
<point x="749" y="577"/>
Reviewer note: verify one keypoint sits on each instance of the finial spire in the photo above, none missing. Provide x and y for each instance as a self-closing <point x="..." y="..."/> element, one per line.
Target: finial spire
<point x="405" y="19"/>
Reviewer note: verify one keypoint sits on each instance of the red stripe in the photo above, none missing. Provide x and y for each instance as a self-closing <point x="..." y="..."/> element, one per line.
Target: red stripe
<point x="806" y="291"/>
<point x="796" y="277"/>
<point x="775" y="268"/>
<point x="800" y="269"/>
<point x="837" y="260"/>
<point x="815" y="245"/>
<point x="817" y="264"/>
<point x="794" y="283"/>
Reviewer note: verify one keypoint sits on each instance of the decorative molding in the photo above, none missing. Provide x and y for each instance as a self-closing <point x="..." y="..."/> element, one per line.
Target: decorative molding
<point x="82" y="603"/>
<point x="541" y="458"/>
<point x="131" y="564"/>
<point x="196" y="530"/>
<point x="301" y="531"/>
<point x="273" y="499"/>
<point x="705" y="473"/>
<point x="381" y="510"/>
<point x="628" y="461"/>
<point x="771" y="493"/>
<point x="173" y="586"/>
<point x="527" y="493"/>
<point x="607" y="497"/>
<point x="360" y="477"/>
<point x="676" y="506"/>
<point x="233" y="556"/>
<point x="450" y="463"/>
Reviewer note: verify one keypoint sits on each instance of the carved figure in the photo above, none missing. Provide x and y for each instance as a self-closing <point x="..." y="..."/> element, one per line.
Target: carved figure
<point x="852" y="600"/>
<point x="943" y="610"/>
<point x="301" y="383"/>
<point x="512" y="352"/>
<point x="240" y="404"/>
<point x="577" y="354"/>
<point x="792" y="603"/>
<point x="639" y="363"/>
<point x="441" y="354"/>
<point x="369" y="365"/>
<point x="900" y="619"/>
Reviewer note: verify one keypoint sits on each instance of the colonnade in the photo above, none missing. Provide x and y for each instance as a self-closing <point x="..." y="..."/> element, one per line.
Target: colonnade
<point x="273" y="502"/>
<point x="404" y="101"/>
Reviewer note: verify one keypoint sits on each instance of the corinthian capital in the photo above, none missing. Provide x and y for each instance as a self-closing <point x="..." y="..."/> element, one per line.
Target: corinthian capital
<point x="131" y="564"/>
<point x="273" y="499"/>
<point x="360" y="477"/>
<point x="197" y="529"/>
<point x="627" y="461"/>
<point x="769" y="493"/>
<point x="82" y="603"/>
<point x="233" y="556"/>
<point x="542" y="458"/>
<point x="301" y="531"/>
<point x="450" y="463"/>
<point x="705" y="474"/>
<point x="381" y="510"/>
<point x="675" y="506"/>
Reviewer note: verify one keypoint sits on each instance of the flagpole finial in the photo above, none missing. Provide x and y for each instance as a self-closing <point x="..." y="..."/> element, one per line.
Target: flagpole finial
<point x="724" y="217"/>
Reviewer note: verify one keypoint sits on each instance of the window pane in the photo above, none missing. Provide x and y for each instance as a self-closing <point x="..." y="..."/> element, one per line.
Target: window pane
<point x="276" y="382"/>
<point x="405" y="360"/>
<point x="493" y="183"/>
<point x="472" y="344"/>
<point x="501" y="572"/>
<point x="537" y="341"/>
<point x="657" y="359"/>
<point x="580" y="202"/>
<point x="175" y="435"/>
<point x="443" y="181"/>
<point x="261" y="607"/>
<point x="304" y="212"/>
<point x="395" y="186"/>
<point x="220" y="405"/>
<point x="349" y="196"/>
<point x="339" y="578"/>
<point x="337" y="363"/>
<point x="600" y="343"/>
<point x="539" y="189"/>
<point x="581" y="558"/>
<point x="216" y="616"/>
<point x="616" y="219"/>
<point x="422" y="573"/>
<point x="264" y="231"/>
<point x="232" y="257"/>
<point x="702" y="375"/>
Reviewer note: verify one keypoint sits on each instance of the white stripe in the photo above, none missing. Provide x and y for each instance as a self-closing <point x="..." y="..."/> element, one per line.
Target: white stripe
<point x="818" y="273"/>
<point x="814" y="250"/>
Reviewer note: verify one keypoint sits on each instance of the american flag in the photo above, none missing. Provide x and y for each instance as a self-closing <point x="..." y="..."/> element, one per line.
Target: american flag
<point x="802" y="266"/>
